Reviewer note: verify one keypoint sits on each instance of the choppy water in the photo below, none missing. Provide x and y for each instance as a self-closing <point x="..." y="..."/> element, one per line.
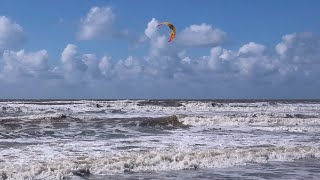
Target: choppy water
<point x="163" y="139"/>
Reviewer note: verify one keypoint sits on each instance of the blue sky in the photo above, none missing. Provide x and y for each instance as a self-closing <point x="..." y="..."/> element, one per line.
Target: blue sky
<point x="111" y="49"/>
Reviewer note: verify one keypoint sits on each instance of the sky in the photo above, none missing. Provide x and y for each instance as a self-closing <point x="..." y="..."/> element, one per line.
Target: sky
<point x="83" y="49"/>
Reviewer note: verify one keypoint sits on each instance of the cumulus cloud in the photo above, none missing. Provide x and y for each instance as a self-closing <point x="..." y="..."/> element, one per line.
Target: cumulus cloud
<point x="22" y="63"/>
<point x="151" y="29"/>
<point x="92" y="62"/>
<point x="129" y="68"/>
<point x="79" y="67"/>
<point x="202" y="35"/>
<point x="299" y="48"/>
<point x="69" y="53"/>
<point x="74" y="67"/>
<point x="252" y="48"/>
<point x="295" y="59"/>
<point x="11" y="34"/>
<point x="97" y="23"/>
<point x="299" y="57"/>
<point x="287" y="42"/>
<point x="249" y="63"/>
<point x="159" y="46"/>
<point x="214" y="59"/>
<point x="105" y="66"/>
<point x="193" y="36"/>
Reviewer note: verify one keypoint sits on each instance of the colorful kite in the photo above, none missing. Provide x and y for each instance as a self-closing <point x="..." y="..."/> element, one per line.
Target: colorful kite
<point x="172" y="28"/>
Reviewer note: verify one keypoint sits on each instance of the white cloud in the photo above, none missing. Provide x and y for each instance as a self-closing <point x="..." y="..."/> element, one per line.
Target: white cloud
<point x="286" y="43"/>
<point x="215" y="54"/>
<point x="252" y="48"/>
<point x="195" y="35"/>
<point x="105" y="65"/>
<point x="252" y="61"/>
<point x="79" y="67"/>
<point x="71" y="61"/>
<point x="74" y="67"/>
<point x="128" y="68"/>
<point x="256" y="67"/>
<point x="159" y="45"/>
<point x="11" y="34"/>
<point x="152" y="28"/>
<point x="97" y="23"/>
<point x="248" y="63"/>
<point x="23" y="63"/>
<point x="69" y="53"/>
<point x="91" y="61"/>
<point x="299" y="57"/>
<point x="201" y="35"/>
<point x="221" y="61"/>
<point x="299" y="48"/>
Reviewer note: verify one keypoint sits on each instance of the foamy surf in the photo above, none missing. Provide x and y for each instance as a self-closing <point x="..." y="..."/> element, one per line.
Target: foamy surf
<point x="155" y="160"/>
<point x="104" y="139"/>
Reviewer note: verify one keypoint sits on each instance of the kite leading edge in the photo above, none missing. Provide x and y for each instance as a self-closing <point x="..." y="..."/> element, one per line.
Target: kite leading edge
<point x="172" y="28"/>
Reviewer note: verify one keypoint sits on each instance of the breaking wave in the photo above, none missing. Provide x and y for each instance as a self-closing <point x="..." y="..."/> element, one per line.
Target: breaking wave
<point x="154" y="160"/>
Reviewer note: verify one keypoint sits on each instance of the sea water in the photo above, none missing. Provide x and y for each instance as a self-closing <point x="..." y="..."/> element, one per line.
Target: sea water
<point x="159" y="139"/>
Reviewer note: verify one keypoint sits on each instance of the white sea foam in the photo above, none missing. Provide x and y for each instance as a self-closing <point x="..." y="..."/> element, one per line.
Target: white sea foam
<point x="56" y="139"/>
<point x="130" y="108"/>
<point x="248" y="119"/>
<point x="154" y="160"/>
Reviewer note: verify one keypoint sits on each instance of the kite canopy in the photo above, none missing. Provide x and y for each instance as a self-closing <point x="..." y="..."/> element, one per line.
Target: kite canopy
<point x="172" y="28"/>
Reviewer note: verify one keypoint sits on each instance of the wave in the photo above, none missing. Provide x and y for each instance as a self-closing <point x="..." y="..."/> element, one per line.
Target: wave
<point x="171" y="121"/>
<point x="153" y="160"/>
<point x="162" y="103"/>
<point x="154" y="108"/>
<point x="264" y="121"/>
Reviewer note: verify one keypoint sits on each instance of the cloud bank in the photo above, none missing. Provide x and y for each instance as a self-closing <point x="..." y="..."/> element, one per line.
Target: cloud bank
<point x="290" y="69"/>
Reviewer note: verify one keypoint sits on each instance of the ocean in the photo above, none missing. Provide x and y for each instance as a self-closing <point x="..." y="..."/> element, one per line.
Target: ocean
<point x="159" y="139"/>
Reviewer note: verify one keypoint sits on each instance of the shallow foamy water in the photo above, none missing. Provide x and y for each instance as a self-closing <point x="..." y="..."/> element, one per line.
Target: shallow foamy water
<point x="124" y="139"/>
